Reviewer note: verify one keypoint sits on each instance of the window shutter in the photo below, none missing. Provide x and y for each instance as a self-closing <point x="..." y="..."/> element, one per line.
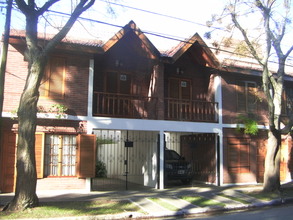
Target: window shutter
<point x="251" y="97"/>
<point x="52" y="84"/>
<point x="39" y="154"/>
<point x="241" y="100"/>
<point x="86" y="155"/>
<point x="238" y="156"/>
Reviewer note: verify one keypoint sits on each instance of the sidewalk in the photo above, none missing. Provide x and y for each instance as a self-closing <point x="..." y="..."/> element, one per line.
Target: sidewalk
<point x="142" y="198"/>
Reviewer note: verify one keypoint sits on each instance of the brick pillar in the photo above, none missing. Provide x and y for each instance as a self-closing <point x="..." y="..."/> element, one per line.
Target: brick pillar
<point x="158" y="73"/>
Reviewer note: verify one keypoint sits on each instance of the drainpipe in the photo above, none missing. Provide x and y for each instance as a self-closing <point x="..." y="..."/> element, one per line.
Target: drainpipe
<point x="4" y="59"/>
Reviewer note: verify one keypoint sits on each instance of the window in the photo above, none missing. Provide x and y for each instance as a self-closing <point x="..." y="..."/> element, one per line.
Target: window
<point x="246" y="97"/>
<point x="118" y="83"/>
<point x="179" y="88"/>
<point x="60" y="155"/>
<point x="238" y="156"/>
<point x="287" y="107"/>
<point x="52" y="85"/>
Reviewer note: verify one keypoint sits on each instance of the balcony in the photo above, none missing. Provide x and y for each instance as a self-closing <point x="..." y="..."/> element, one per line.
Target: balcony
<point x="191" y="110"/>
<point x="129" y="106"/>
<point x="124" y="106"/>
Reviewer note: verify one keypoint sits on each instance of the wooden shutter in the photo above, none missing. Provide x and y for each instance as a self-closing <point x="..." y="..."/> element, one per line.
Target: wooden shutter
<point x="238" y="156"/>
<point x="246" y="97"/>
<point x="53" y="82"/>
<point x="241" y="100"/>
<point x="39" y="154"/>
<point x="173" y="88"/>
<point x="7" y="162"/>
<point x="251" y="97"/>
<point x="86" y="155"/>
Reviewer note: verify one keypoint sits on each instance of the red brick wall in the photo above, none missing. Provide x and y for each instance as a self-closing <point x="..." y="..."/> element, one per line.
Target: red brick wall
<point x="61" y="183"/>
<point x="16" y="72"/>
<point x="76" y="83"/>
<point x="230" y="99"/>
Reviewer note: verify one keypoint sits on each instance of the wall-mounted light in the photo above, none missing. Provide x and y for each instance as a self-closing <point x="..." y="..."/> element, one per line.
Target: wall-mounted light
<point x="179" y="71"/>
<point x="118" y="63"/>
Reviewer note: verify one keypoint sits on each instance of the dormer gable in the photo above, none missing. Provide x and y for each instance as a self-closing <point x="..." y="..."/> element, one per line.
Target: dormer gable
<point x="134" y="39"/>
<point x="197" y="49"/>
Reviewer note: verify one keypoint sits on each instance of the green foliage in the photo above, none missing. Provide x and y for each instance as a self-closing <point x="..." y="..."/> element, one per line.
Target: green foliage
<point x="104" y="141"/>
<point x="101" y="170"/>
<point x="59" y="109"/>
<point x="250" y="125"/>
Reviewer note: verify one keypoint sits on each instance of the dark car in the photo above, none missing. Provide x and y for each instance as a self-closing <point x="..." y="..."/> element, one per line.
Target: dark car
<point x="176" y="167"/>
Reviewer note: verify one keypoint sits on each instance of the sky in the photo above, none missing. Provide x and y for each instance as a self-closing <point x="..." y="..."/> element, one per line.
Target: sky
<point x="164" y="19"/>
<point x="179" y="19"/>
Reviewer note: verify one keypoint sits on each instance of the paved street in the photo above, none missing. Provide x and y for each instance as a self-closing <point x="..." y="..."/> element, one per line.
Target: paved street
<point x="283" y="212"/>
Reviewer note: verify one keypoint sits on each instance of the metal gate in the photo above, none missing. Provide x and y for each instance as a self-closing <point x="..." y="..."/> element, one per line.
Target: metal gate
<point x="129" y="159"/>
<point x="199" y="150"/>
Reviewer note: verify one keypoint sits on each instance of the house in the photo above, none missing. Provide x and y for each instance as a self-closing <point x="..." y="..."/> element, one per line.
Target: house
<point x="122" y="102"/>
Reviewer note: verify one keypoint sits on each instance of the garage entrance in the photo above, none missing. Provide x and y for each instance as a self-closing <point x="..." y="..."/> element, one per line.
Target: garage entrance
<point x="130" y="159"/>
<point x="127" y="159"/>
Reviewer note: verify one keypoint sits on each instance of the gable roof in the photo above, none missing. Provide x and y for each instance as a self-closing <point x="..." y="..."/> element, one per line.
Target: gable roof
<point x="17" y="37"/>
<point x="131" y="27"/>
<point x="194" y="41"/>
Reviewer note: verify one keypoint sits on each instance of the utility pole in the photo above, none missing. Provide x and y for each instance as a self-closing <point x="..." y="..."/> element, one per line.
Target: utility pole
<point x="4" y="60"/>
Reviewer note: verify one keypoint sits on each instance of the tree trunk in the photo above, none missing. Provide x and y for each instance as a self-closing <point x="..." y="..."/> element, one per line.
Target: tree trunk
<point x="26" y="181"/>
<point x="272" y="163"/>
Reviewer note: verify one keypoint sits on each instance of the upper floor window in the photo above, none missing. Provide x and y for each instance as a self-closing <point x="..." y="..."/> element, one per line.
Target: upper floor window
<point x="53" y="83"/>
<point x="246" y="97"/>
<point x="119" y="83"/>
<point x="287" y="106"/>
<point x="179" y="88"/>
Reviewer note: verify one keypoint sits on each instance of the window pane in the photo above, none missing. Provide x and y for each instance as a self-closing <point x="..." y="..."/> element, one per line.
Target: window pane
<point x="63" y="148"/>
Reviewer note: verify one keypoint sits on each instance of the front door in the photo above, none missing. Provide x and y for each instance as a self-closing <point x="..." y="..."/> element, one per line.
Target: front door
<point x="179" y="102"/>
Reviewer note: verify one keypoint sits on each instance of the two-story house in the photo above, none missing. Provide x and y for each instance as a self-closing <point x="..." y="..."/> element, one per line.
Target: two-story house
<point x="126" y="102"/>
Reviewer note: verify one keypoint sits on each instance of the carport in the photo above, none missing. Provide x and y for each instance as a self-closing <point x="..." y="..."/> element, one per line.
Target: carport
<point x="132" y="158"/>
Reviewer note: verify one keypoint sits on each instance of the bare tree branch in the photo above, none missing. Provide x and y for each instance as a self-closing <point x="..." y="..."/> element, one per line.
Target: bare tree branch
<point x="46" y="6"/>
<point x="244" y="34"/>
<point x="80" y="8"/>
<point x="22" y="6"/>
<point x="289" y="51"/>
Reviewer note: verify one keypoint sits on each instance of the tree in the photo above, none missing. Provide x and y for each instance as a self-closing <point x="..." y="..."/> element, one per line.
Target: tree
<point x="274" y="18"/>
<point x="25" y="191"/>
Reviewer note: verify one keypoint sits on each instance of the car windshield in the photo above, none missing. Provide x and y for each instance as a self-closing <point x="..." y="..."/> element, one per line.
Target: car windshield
<point x="171" y="155"/>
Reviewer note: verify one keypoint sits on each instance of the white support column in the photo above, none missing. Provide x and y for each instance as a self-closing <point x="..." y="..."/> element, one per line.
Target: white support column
<point x="218" y="96"/>
<point x="161" y="183"/>
<point x="219" y="100"/>
<point x="88" y="185"/>
<point x="90" y="95"/>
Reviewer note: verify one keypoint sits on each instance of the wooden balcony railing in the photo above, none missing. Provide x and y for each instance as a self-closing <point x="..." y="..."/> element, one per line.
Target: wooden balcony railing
<point x="124" y="106"/>
<point x="191" y="110"/>
<point x="128" y="106"/>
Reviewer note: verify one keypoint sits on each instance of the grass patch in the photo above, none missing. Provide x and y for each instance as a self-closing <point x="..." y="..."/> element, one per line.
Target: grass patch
<point x="265" y="196"/>
<point x="164" y="204"/>
<point x="62" y="209"/>
<point x="234" y="198"/>
<point x="202" y="201"/>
